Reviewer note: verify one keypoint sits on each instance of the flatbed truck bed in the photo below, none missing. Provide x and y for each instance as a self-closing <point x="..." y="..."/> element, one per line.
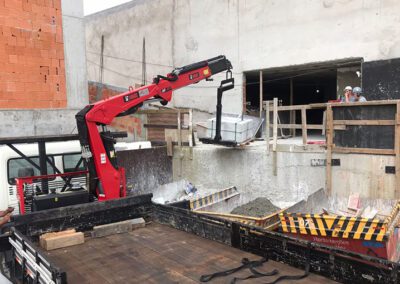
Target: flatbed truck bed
<point x="177" y="245"/>
<point x="159" y="254"/>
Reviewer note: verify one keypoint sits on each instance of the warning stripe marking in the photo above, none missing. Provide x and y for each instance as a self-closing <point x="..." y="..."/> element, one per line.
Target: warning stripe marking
<point x="334" y="226"/>
<point x="212" y="198"/>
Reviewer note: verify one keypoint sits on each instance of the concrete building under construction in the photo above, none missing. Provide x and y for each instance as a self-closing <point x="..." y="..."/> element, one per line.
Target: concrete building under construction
<point x="198" y="137"/>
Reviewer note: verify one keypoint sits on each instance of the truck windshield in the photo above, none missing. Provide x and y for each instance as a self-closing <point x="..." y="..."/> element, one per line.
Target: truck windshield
<point x="20" y="167"/>
<point x="70" y="161"/>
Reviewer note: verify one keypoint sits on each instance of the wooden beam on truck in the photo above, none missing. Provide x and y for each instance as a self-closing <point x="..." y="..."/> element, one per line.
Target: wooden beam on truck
<point x="62" y="239"/>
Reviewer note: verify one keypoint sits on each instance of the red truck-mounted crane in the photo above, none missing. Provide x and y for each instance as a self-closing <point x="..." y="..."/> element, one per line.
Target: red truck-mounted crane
<point x="106" y="179"/>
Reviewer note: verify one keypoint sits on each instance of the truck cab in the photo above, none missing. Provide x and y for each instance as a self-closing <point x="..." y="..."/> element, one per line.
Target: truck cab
<point x="64" y="155"/>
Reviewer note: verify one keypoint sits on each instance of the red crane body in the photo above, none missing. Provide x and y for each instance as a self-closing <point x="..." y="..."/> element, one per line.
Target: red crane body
<point x="107" y="180"/>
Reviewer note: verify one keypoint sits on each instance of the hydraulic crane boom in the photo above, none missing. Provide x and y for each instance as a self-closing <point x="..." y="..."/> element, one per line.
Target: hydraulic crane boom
<point x="107" y="180"/>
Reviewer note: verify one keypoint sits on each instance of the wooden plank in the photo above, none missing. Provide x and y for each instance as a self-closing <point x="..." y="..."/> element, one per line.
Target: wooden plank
<point x="310" y="126"/>
<point x="170" y="152"/>
<point x="304" y="125"/>
<point x="300" y="126"/>
<point x="261" y="93"/>
<point x="275" y="124"/>
<point x="318" y="105"/>
<point x="292" y="118"/>
<point x="324" y="105"/>
<point x="179" y="130"/>
<point x="173" y="133"/>
<point x="329" y="142"/>
<point x="397" y="151"/>
<point x="295" y="107"/>
<point x="364" y="122"/>
<point x="164" y="126"/>
<point x="180" y="145"/>
<point x="324" y="123"/>
<point x="62" y="241"/>
<point x="267" y="124"/>
<point x="190" y="137"/>
<point x="158" y="134"/>
<point x="368" y="103"/>
<point x="275" y="138"/>
<point x="348" y="150"/>
<point x="54" y="234"/>
<point x="162" y="111"/>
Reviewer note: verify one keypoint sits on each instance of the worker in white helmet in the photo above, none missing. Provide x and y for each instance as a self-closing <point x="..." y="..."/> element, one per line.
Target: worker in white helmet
<point x="358" y="97"/>
<point x="347" y="96"/>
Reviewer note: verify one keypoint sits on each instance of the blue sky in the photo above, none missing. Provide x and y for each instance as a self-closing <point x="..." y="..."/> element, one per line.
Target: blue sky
<point x="93" y="6"/>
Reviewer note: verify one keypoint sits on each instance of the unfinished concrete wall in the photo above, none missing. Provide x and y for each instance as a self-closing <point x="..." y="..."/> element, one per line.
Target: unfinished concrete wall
<point x="255" y="34"/>
<point x="251" y="170"/>
<point x="364" y="174"/>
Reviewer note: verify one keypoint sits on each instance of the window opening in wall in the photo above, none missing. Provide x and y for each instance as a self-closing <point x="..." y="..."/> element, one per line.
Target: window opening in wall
<point x="301" y="85"/>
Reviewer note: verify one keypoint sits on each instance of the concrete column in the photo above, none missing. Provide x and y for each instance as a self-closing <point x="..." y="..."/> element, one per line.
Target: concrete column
<point x="75" y="53"/>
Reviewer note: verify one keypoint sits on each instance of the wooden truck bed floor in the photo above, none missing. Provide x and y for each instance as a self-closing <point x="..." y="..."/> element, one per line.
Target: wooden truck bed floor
<point x="160" y="254"/>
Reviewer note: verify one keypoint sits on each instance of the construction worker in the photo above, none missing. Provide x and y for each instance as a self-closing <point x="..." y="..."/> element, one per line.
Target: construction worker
<point x="347" y="96"/>
<point x="357" y="91"/>
<point x="5" y="216"/>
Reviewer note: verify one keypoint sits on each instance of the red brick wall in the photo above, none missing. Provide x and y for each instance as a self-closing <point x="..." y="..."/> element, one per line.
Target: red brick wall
<point x="131" y="124"/>
<point x="31" y="54"/>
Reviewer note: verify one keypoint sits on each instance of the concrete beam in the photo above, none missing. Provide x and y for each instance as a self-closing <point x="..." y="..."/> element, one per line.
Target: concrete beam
<point x="16" y="123"/>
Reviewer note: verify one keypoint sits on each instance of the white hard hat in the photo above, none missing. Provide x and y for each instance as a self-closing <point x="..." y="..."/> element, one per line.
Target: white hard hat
<point x="348" y="88"/>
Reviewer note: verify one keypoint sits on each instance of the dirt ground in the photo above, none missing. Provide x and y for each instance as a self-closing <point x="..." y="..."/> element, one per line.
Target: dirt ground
<point x="259" y="207"/>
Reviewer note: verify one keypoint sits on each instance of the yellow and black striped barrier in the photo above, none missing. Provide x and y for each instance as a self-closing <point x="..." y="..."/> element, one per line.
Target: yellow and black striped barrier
<point x="334" y="226"/>
<point x="213" y="198"/>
